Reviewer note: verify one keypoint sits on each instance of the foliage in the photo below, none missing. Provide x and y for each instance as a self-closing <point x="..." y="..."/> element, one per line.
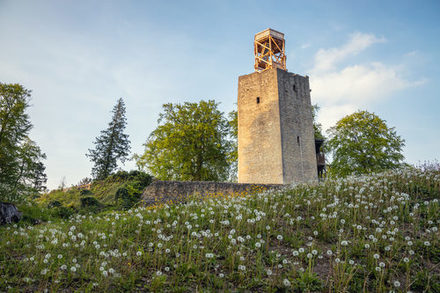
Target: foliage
<point x="233" y="154"/>
<point x="317" y="127"/>
<point x="386" y="227"/>
<point x="102" y="190"/>
<point x="130" y="193"/>
<point x="362" y="143"/>
<point x="21" y="169"/>
<point x="191" y="143"/>
<point x="112" y="145"/>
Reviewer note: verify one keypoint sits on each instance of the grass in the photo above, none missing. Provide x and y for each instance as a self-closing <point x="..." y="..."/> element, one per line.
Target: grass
<point x="104" y="191"/>
<point x="373" y="233"/>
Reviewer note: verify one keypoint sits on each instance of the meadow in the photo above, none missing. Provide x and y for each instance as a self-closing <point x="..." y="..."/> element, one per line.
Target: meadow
<point x="376" y="233"/>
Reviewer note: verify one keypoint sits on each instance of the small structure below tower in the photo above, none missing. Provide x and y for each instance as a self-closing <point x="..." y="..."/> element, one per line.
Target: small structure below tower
<point x="269" y="50"/>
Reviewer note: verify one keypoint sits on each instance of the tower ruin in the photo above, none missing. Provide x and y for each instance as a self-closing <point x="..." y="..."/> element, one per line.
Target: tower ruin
<point x="276" y="142"/>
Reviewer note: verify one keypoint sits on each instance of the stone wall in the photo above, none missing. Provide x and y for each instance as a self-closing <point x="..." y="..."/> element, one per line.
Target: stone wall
<point x="178" y="191"/>
<point x="275" y="129"/>
<point x="260" y="158"/>
<point x="297" y="133"/>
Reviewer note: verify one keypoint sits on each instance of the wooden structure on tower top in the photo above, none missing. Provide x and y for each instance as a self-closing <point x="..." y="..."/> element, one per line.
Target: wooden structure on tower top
<point x="269" y="50"/>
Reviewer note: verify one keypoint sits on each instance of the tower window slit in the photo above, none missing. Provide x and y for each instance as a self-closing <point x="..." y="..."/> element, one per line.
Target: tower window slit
<point x="258" y="100"/>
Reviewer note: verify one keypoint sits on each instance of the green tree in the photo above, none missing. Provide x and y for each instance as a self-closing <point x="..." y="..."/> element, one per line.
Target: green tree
<point x="362" y="143"/>
<point x="233" y="154"/>
<point x="317" y="126"/>
<point x="190" y="143"/>
<point x="112" y="145"/>
<point x="21" y="167"/>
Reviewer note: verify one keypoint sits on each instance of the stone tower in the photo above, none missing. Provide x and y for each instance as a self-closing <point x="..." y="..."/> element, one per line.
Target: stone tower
<point x="276" y="142"/>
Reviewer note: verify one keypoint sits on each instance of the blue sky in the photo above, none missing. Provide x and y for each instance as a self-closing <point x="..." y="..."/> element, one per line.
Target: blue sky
<point x="79" y="57"/>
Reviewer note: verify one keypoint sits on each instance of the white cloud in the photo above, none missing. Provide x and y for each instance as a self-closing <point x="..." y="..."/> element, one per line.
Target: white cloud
<point x="341" y="90"/>
<point x="327" y="59"/>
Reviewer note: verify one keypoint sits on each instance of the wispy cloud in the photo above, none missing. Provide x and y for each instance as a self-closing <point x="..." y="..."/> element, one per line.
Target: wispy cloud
<point x="341" y="90"/>
<point x="327" y="59"/>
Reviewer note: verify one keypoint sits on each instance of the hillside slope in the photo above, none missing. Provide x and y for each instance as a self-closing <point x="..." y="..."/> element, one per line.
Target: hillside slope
<point x="374" y="233"/>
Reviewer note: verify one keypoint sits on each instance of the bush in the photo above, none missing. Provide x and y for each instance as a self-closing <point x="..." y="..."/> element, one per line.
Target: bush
<point x="90" y="201"/>
<point x="64" y="212"/>
<point x="85" y="192"/>
<point x="54" y="204"/>
<point x="127" y="196"/>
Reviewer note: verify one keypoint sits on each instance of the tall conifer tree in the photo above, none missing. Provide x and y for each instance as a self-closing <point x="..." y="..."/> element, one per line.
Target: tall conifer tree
<point x="112" y="145"/>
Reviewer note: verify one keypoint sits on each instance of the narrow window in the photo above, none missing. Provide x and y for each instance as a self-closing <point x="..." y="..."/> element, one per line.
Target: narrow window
<point x="258" y="100"/>
<point x="294" y="88"/>
<point x="297" y="139"/>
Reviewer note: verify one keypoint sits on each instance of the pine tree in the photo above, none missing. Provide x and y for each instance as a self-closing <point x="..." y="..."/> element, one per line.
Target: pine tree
<point x="112" y="145"/>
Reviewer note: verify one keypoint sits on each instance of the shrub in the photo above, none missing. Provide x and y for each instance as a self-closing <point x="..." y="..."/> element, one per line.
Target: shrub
<point x="85" y="192"/>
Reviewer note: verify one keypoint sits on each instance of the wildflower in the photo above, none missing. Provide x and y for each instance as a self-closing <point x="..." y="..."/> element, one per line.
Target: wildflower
<point x="329" y="252"/>
<point x="367" y="246"/>
<point x="209" y="255"/>
<point x="242" y="267"/>
<point x="295" y="253"/>
<point x="60" y="256"/>
<point x="286" y="283"/>
<point x="167" y="269"/>
<point x="257" y="244"/>
<point x="426" y="243"/>
<point x="269" y="272"/>
<point x="105" y="273"/>
<point x="73" y="269"/>
<point x="158" y="273"/>
<point x="382" y="264"/>
<point x="139" y="253"/>
<point x="405" y="259"/>
<point x="351" y="262"/>
<point x="396" y="284"/>
<point x="376" y="256"/>
<point x="337" y="260"/>
<point x="280" y="237"/>
<point x="43" y="272"/>
<point x="221" y="275"/>
<point x="63" y="267"/>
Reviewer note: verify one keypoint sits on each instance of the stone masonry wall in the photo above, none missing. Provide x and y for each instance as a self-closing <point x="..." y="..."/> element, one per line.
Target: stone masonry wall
<point x="275" y="129"/>
<point x="178" y="191"/>
<point x="297" y="134"/>
<point x="259" y="131"/>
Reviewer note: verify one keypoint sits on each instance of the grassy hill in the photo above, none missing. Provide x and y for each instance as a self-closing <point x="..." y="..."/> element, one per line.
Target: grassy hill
<point x="129" y="184"/>
<point x="374" y="233"/>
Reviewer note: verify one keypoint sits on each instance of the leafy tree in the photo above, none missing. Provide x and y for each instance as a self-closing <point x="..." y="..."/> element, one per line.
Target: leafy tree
<point x="112" y="145"/>
<point x="233" y="154"/>
<point x="21" y="168"/>
<point x="362" y="143"/>
<point x="191" y="143"/>
<point x="317" y="126"/>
